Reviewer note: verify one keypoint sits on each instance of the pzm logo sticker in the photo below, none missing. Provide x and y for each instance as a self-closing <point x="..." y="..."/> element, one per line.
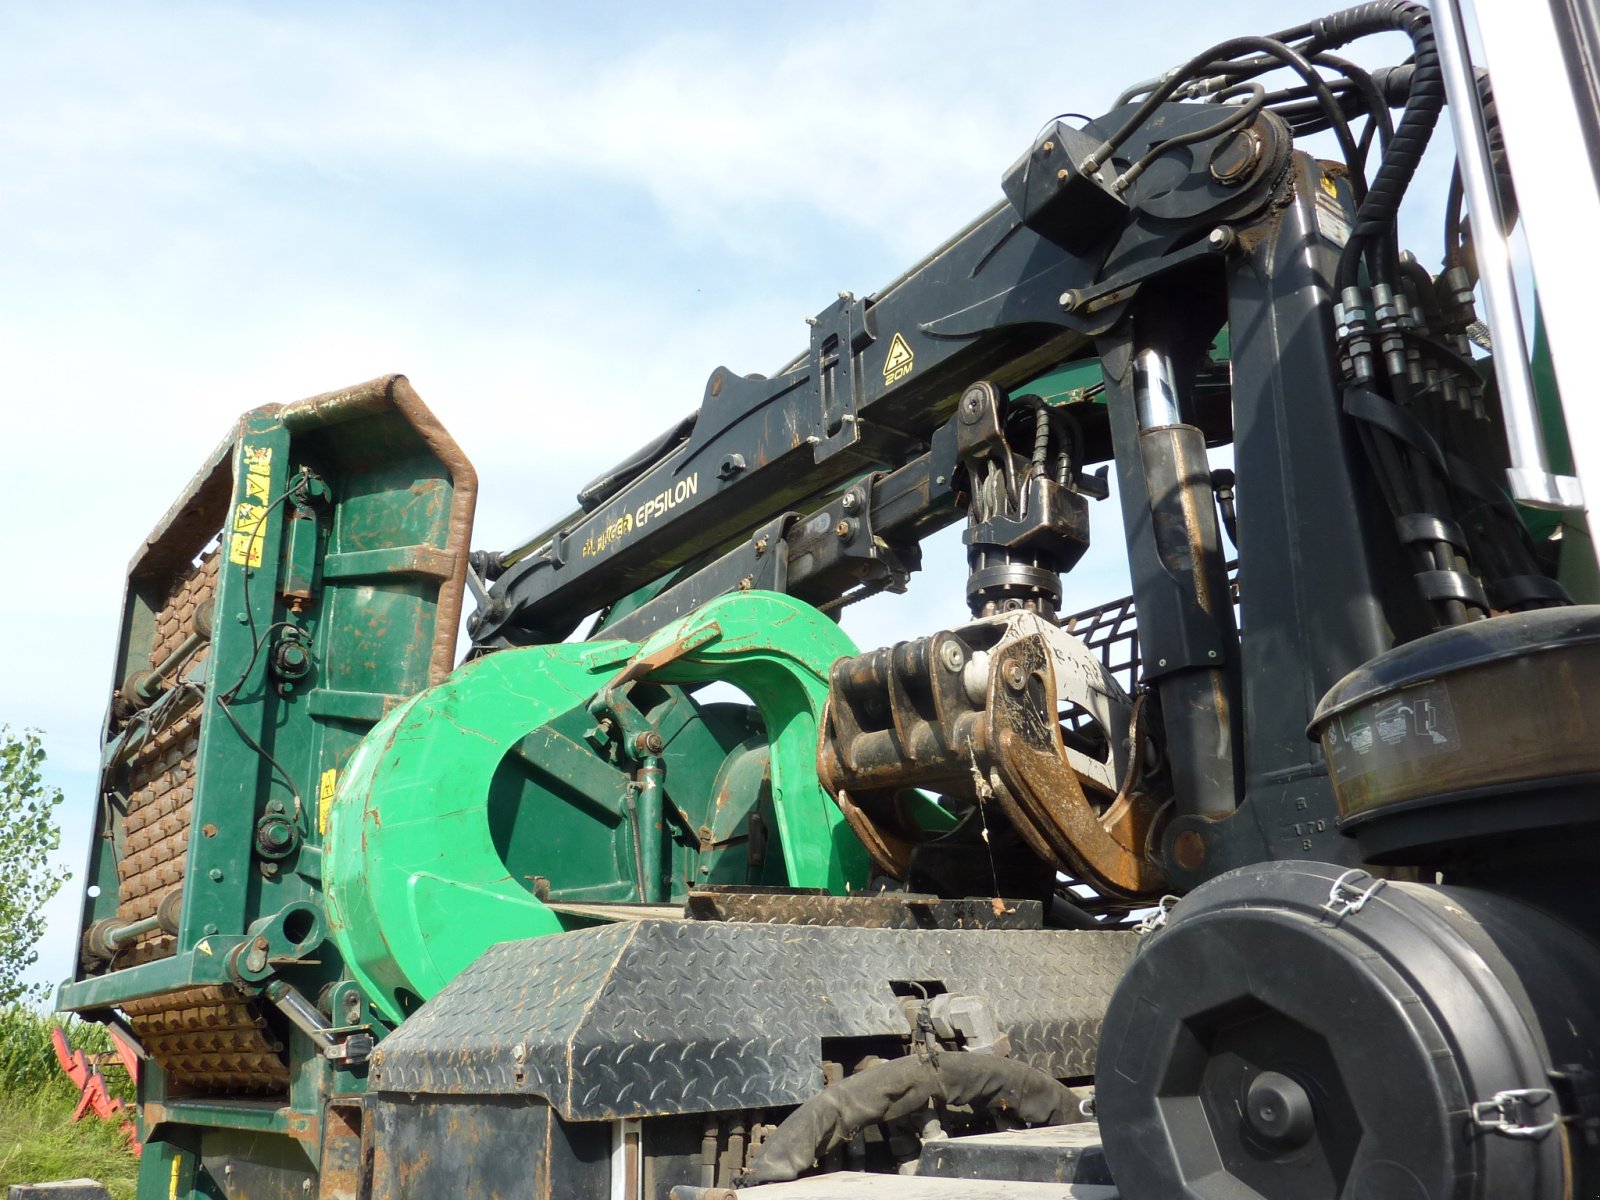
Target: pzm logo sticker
<point x="899" y="362"/>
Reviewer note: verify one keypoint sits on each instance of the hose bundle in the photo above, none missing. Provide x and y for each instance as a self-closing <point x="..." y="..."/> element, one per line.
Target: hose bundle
<point x="887" y="1091"/>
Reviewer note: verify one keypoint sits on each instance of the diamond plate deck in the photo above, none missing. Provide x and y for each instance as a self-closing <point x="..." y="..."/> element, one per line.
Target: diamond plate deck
<point x="850" y="1185"/>
<point x="652" y="1017"/>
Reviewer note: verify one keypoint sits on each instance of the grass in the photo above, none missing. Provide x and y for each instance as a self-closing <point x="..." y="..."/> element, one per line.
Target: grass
<point x="38" y="1140"/>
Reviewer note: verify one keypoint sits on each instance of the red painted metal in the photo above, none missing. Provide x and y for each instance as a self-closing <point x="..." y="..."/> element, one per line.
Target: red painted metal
<point x="93" y="1093"/>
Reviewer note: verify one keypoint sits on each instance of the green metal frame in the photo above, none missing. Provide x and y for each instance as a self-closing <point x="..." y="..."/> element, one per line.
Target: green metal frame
<point x="345" y="517"/>
<point x="416" y="887"/>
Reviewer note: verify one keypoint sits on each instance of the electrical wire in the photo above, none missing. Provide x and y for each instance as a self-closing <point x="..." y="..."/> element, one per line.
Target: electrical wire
<point x="288" y="780"/>
<point x="225" y="698"/>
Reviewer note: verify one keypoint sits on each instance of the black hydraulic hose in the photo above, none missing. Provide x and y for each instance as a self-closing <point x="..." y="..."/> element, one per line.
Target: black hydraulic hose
<point x="1378" y="118"/>
<point x="890" y="1090"/>
<point x="1216" y="61"/>
<point x="1234" y="116"/>
<point x="1452" y="220"/>
<point x="1170" y="83"/>
<point x="597" y="491"/>
<point x="1062" y="913"/>
<point x="1377" y="213"/>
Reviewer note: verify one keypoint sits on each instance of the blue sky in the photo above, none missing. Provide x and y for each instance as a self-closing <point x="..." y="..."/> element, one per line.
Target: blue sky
<point x="555" y="219"/>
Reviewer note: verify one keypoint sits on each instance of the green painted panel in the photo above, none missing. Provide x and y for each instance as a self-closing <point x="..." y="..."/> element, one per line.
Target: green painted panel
<point x="500" y="782"/>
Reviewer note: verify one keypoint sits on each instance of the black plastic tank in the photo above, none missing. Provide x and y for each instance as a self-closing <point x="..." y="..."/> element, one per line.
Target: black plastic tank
<point x="1472" y="732"/>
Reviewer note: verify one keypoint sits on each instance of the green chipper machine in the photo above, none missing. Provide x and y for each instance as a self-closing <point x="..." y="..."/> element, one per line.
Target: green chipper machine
<point x="1273" y="880"/>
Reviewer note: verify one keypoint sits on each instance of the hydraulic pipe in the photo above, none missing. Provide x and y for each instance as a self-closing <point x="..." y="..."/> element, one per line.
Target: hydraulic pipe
<point x="146" y="687"/>
<point x="651" y="831"/>
<point x="104" y="938"/>
<point x="292" y="1004"/>
<point x="1532" y="480"/>
<point x="1198" y="701"/>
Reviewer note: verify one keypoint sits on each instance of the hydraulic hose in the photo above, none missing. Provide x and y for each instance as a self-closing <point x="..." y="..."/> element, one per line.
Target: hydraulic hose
<point x="889" y="1090"/>
<point x="1377" y="212"/>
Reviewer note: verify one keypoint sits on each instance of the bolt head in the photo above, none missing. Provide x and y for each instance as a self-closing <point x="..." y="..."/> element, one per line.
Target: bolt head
<point x="1016" y="678"/>
<point x="215" y="874"/>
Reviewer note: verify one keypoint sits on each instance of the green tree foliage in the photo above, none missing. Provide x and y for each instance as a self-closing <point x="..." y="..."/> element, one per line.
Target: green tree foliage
<point x="28" y="836"/>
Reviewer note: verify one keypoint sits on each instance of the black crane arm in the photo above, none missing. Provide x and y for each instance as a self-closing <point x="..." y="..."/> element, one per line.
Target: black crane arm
<point x="1024" y="288"/>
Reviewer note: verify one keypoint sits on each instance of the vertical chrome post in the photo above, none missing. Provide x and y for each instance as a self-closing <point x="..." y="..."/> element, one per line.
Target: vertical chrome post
<point x="1532" y="481"/>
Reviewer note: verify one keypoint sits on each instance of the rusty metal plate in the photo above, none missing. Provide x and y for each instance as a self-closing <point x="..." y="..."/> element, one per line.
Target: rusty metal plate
<point x="881" y="910"/>
<point x="651" y="1018"/>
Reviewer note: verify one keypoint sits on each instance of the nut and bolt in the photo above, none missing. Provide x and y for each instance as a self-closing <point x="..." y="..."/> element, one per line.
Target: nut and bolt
<point x="649" y="742"/>
<point x="950" y="654"/>
<point x="972" y="404"/>
<point x="1015" y="676"/>
<point x="850" y="501"/>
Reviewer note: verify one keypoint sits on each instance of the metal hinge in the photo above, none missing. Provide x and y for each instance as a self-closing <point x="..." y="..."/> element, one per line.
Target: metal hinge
<point x="1509" y="1113"/>
<point x="1346" y="896"/>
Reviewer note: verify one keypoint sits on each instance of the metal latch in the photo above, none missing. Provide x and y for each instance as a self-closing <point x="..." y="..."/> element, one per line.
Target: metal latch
<point x="1511" y="1112"/>
<point x="1346" y="895"/>
<point x="1156" y="918"/>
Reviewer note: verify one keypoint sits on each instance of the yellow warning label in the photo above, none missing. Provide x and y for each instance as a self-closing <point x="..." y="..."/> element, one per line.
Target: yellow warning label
<point x="330" y="781"/>
<point x="177" y="1166"/>
<point x="1330" y="187"/>
<point x="250" y="517"/>
<point x="900" y="361"/>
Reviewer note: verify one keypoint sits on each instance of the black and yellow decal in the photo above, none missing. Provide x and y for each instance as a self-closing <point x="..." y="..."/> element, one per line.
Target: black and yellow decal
<point x="899" y="362"/>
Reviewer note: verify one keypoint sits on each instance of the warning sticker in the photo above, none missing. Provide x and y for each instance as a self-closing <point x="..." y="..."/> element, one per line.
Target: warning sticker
<point x="329" y="782"/>
<point x="1332" y="222"/>
<point x="900" y="361"/>
<point x="250" y="517"/>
